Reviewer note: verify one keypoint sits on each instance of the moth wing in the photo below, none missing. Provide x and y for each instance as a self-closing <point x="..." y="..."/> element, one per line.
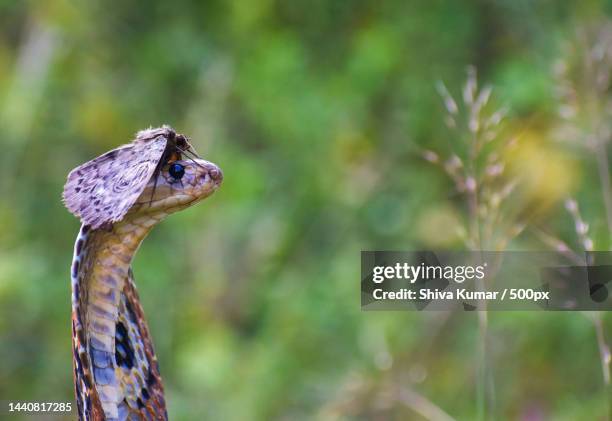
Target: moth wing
<point x="105" y="188"/>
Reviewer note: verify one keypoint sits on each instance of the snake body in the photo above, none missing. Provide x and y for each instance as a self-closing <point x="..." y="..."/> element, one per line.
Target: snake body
<point x="116" y="373"/>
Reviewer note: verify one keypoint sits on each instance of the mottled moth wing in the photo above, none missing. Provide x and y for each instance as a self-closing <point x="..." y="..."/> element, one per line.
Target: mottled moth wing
<point x="105" y="188"/>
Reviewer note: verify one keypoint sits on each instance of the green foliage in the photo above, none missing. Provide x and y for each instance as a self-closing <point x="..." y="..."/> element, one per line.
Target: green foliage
<point x="316" y="111"/>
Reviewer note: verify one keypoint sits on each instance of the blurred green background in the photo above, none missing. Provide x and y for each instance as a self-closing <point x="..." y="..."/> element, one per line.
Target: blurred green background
<point x="317" y="112"/>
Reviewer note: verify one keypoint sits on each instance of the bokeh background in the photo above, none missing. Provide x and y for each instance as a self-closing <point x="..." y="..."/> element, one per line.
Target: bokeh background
<point x="319" y="113"/>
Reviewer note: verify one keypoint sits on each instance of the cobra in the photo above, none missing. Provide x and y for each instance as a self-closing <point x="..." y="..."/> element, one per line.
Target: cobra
<point x="119" y="197"/>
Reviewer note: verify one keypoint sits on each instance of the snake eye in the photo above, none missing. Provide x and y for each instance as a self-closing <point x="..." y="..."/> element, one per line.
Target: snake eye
<point x="177" y="171"/>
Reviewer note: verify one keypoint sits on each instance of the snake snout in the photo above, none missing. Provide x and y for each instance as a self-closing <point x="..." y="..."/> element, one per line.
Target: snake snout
<point x="214" y="172"/>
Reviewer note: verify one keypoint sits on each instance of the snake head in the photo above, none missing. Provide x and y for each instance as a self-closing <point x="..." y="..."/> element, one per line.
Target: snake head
<point x="159" y="171"/>
<point x="179" y="184"/>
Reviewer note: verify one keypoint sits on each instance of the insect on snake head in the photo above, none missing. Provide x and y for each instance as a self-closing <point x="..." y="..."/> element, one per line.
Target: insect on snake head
<point x="158" y="172"/>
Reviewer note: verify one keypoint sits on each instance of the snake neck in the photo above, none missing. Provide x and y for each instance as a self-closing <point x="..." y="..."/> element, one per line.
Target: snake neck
<point x="100" y="270"/>
<point x="116" y="370"/>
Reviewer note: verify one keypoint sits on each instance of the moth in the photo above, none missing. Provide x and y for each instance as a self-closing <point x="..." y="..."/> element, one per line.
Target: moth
<point x="102" y="190"/>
